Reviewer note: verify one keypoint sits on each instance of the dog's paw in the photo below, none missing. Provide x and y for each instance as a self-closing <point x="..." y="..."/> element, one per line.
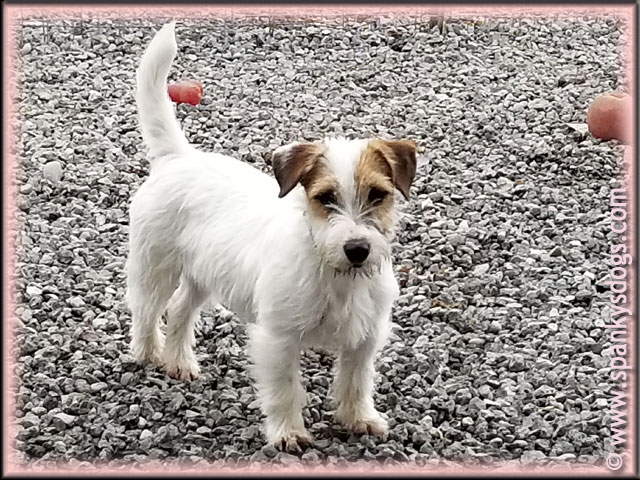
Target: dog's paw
<point x="147" y="353"/>
<point x="367" y="426"/>
<point x="293" y="442"/>
<point x="146" y="359"/>
<point x="183" y="370"/>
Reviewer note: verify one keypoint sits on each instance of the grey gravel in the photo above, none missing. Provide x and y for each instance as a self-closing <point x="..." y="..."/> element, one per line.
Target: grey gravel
<point x="496" y="351"/>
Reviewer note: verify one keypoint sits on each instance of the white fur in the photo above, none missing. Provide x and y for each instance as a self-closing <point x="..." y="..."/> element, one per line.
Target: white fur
<point x="209" y="225"/>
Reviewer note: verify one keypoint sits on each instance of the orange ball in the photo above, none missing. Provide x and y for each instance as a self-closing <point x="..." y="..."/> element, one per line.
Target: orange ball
<point x="609" y="117"/>
<point x="188" y="91"/>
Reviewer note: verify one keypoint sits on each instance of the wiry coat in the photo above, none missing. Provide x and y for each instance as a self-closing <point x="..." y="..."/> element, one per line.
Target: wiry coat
<point x="207" y="225"/>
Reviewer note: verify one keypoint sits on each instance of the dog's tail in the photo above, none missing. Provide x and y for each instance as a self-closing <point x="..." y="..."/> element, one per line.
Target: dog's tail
<point x="160" y="128"/>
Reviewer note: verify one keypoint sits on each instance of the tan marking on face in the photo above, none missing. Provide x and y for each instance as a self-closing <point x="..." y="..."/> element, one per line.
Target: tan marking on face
<point x="374" y="172"/>
<point x="319" y="181"/>
<point x="401" y="157"/>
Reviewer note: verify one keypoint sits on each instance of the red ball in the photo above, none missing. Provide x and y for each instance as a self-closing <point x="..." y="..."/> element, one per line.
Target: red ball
<point x="189" y="91"/>
<point x="609" y="117"/>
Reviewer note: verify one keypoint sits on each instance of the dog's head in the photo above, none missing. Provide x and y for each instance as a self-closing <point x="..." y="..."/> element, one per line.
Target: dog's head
<point x="350" y="190"/>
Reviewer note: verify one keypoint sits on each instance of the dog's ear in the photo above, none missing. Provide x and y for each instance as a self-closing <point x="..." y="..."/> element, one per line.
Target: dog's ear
<point x="292" y="162"/>
<point x="401" y="155"/>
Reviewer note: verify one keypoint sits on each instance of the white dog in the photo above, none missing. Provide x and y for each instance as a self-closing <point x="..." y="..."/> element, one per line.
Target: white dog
<point x="305" y="258"/>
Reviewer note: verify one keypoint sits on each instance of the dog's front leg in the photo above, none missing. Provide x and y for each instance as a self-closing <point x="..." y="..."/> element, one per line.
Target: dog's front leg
<point x="276" y="367"/>
<point x="353" y="389"/>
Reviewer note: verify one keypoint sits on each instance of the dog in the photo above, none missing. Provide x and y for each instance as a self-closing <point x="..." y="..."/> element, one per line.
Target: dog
<point x="304" y="259"/>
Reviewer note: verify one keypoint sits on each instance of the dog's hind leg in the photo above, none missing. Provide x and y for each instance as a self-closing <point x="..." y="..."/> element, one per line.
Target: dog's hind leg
<point x="182" y="314"/>
<point x="149" y="288"/>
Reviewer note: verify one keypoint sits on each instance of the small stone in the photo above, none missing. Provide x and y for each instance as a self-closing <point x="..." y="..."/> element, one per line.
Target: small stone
<point x="99" y="323"/>
<point x="496" y="442"/>
<point x="566" y="456"/>
<point x="126" y="378"/>
<point x="520" y="444"/>
<point x="98" y="386"/>
<point x="52" y="171"/>
<point x="426" y="204"/>
<point x="311" y="456"/>
<point x="532" y="456"/>
<point x="65" y="418"/>
<point x="456" y="239"/>
<point x="59" y="446"/>
<point x="30" y="420"/>
<point x="463" y="396"/>
<point x="534" y="209"/>
<point x="269" y="451"/>
<point x="32" y="290"/>
<point x="385" y="452"/>
<point x="517" y="363"/>
<point x="76" y="302"/>
<point x="480" y="270"/>
<point x="556" y="252"/>
<point x="602" y="403"/>
<point x="584" y="296"/>
<point x="287" y="458"/>
<point x="544" y="391"/>
<point x="494" y="327"/>
<point x="485" y="391"/>
<point x="250" y="433"/>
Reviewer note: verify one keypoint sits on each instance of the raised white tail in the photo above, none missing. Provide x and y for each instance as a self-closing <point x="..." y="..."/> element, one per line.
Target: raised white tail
<point x="160" y="128"/>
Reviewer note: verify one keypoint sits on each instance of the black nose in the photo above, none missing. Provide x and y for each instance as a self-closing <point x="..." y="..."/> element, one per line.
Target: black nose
<point x="356" y="251"/>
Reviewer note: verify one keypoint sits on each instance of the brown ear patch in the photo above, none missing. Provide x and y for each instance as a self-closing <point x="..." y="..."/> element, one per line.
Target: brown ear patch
<point x="400" y="155"/>
<point x="291" y="165"/>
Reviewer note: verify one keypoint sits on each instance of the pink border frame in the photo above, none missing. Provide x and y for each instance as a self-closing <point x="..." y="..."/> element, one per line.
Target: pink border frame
<point x="12" y="15"/>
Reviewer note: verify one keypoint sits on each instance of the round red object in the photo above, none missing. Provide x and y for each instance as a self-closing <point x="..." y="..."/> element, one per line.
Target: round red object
<point x="609" y="117"/>
<point x="189" y="91"/>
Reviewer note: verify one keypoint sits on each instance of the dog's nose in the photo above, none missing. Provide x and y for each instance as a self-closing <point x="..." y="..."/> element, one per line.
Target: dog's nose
<point x="356" y="251"/>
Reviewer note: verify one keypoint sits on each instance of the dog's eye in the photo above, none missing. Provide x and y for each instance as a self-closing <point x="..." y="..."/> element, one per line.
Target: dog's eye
<point x="376" y="195"/>
<point x="327" y="199"/>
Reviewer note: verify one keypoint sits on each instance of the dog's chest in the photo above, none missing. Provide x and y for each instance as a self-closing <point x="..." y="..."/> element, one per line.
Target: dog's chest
<point x="347" y="313"/>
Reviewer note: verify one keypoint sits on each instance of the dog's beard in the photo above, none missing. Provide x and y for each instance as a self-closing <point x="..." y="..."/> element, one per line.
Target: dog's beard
<point x="369" y="270"/>
<point x="354" y="272"/>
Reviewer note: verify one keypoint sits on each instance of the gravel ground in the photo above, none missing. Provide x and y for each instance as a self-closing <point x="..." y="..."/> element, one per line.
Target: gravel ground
<point x="498" y="351"/>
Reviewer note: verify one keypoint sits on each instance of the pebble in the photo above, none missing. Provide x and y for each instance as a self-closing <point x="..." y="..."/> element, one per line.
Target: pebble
<point x="126" y="378"/>
<point x="517" y="363"/>
<point x="53" y="171"/>
<point x="532" y="456"/>
<point x="65" y="418"/>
